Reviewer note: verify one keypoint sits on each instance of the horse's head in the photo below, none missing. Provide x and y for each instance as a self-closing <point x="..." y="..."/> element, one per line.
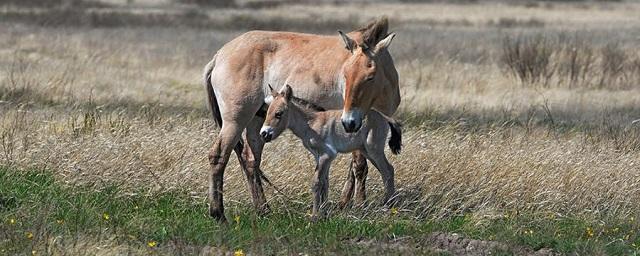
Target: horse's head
<point x="364" y="79"/>
<point x="277" y="118"/>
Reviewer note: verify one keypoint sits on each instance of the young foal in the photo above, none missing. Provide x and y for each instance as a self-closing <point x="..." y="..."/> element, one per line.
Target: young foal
<point x="324" y="136"/>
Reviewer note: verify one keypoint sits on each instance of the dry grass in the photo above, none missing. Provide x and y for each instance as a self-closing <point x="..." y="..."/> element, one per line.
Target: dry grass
<point x="125" y="106"/>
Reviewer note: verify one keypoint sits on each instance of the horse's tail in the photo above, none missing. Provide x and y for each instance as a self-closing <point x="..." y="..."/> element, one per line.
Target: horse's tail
<point x="211" y="96"/>
<point x="395" y="142"/>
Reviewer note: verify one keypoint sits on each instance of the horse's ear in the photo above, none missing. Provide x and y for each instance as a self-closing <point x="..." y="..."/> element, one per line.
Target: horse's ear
<point x="384" y="43"/>
<point x="287" y="92"/>
<point x="348" y="42"/>
<point x="273" y="92"/>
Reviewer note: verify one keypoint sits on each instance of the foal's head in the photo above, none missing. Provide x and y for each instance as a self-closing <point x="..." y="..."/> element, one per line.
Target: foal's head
<point x="277" y="118"/>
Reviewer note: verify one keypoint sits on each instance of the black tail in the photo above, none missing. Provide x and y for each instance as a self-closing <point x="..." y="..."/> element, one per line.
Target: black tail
<point x="395" y="143"/>
<point x="213" y="101"/>
<point x="211" y="96"/>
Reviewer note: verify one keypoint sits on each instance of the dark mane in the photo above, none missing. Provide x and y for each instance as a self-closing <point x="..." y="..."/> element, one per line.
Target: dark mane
<point x="375" y="31"/>
<point x="307" y="104"/>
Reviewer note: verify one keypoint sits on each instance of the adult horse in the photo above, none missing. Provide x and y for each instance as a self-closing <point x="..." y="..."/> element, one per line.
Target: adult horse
<point x="352" y="71"/>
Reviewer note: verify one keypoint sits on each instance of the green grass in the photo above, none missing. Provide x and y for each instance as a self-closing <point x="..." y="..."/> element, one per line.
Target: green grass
<point x="62" y="216"/>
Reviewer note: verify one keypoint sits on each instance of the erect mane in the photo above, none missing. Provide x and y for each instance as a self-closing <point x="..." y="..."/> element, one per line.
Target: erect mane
<point x="375" y="31"/>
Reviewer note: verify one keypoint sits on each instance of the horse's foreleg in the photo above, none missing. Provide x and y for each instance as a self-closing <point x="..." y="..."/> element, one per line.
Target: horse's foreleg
<point x="347" y="190"/>
<point x="251" y="156"/>
<point x="360" y="170"/>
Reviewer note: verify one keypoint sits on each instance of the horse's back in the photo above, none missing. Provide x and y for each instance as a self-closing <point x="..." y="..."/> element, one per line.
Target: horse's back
<point x="252" y="61"/>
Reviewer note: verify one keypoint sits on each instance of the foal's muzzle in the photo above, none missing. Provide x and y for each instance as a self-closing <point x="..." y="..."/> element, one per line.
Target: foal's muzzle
<point x="267" y="133"/>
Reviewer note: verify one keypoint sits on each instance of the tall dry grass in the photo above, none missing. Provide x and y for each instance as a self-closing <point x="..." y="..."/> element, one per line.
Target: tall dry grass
<point x="124" y="105"/>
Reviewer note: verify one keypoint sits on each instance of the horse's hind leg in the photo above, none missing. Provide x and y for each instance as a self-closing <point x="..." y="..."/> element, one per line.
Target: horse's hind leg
<point x="218" y="159"/>
<point x="252" y="156"/>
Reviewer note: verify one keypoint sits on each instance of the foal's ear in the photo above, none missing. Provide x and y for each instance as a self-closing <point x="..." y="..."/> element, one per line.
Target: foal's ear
<point x="287" y="92"/>
<point x="348" y="42"/>
<point x="273" y="92"/>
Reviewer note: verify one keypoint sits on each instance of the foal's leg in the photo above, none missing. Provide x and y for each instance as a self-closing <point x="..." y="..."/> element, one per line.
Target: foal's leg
<point x="321" y="184"/>
<point x="218" y="158"/>
<point x="252" y="156"/>
<point x="386" y="170"/>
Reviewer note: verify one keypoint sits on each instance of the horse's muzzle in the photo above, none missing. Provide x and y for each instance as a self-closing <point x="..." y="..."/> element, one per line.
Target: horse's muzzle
<point x="351" y="121"/>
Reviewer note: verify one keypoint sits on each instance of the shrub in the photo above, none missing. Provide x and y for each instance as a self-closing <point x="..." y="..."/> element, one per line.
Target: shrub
<point x="528" y="58"/>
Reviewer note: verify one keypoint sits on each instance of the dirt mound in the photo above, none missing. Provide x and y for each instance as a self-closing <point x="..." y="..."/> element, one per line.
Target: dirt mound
<point x="458" y="245"/>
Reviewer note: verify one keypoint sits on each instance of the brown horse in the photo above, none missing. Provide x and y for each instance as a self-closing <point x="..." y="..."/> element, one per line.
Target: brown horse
<point x="324" y="137"/>
<point x="353" y="72"/>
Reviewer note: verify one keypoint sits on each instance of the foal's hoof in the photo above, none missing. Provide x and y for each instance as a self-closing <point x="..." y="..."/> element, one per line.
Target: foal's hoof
<point x="391" y="201"/>
<point x="314" y="219"/>
<point x="217" y="215"/>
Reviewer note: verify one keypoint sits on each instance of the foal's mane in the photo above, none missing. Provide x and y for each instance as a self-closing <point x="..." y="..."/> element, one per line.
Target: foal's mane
<point x="307" y="104"/>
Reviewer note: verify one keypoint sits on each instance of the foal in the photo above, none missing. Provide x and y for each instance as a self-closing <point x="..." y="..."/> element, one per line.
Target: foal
<point x="324" y="136"/>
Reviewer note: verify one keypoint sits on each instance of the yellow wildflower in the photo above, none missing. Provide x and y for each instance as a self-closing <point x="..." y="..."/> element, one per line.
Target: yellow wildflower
<point x="33" y="252"/>
<point x="29" y="235"/>
<point x="237" y="219"/>
<point x="394" y="211"/>
<point x="589" y="232"/>
<point x="12" y="221"/>
<point x="152" y="244"/>
<point x="238" y="252"/>
<point x="105" y="216"/>
<point x="60" y="221"/>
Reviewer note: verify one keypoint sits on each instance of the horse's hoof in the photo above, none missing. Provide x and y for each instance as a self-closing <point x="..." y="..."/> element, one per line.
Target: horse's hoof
<point x="343" y="204"/>
<point x="217" y="215"/>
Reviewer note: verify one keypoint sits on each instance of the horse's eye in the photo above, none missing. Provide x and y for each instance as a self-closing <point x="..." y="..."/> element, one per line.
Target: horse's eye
<point x="279" y="114"/>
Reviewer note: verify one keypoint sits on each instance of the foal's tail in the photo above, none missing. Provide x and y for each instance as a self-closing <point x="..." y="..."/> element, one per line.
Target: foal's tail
<point x="395" y="143"/>
<point x="211" y="96"/>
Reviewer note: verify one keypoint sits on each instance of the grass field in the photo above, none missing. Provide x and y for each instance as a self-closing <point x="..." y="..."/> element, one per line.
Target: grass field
<point x="519" y="132"/>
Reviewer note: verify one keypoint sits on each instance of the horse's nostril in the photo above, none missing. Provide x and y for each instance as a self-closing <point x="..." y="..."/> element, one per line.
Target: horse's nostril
<point x="349" y="125"/>
<point x="263" y="134"/>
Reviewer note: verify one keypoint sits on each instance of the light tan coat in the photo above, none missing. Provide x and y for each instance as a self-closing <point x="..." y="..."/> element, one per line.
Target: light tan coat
<point x="330" y="71"/>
